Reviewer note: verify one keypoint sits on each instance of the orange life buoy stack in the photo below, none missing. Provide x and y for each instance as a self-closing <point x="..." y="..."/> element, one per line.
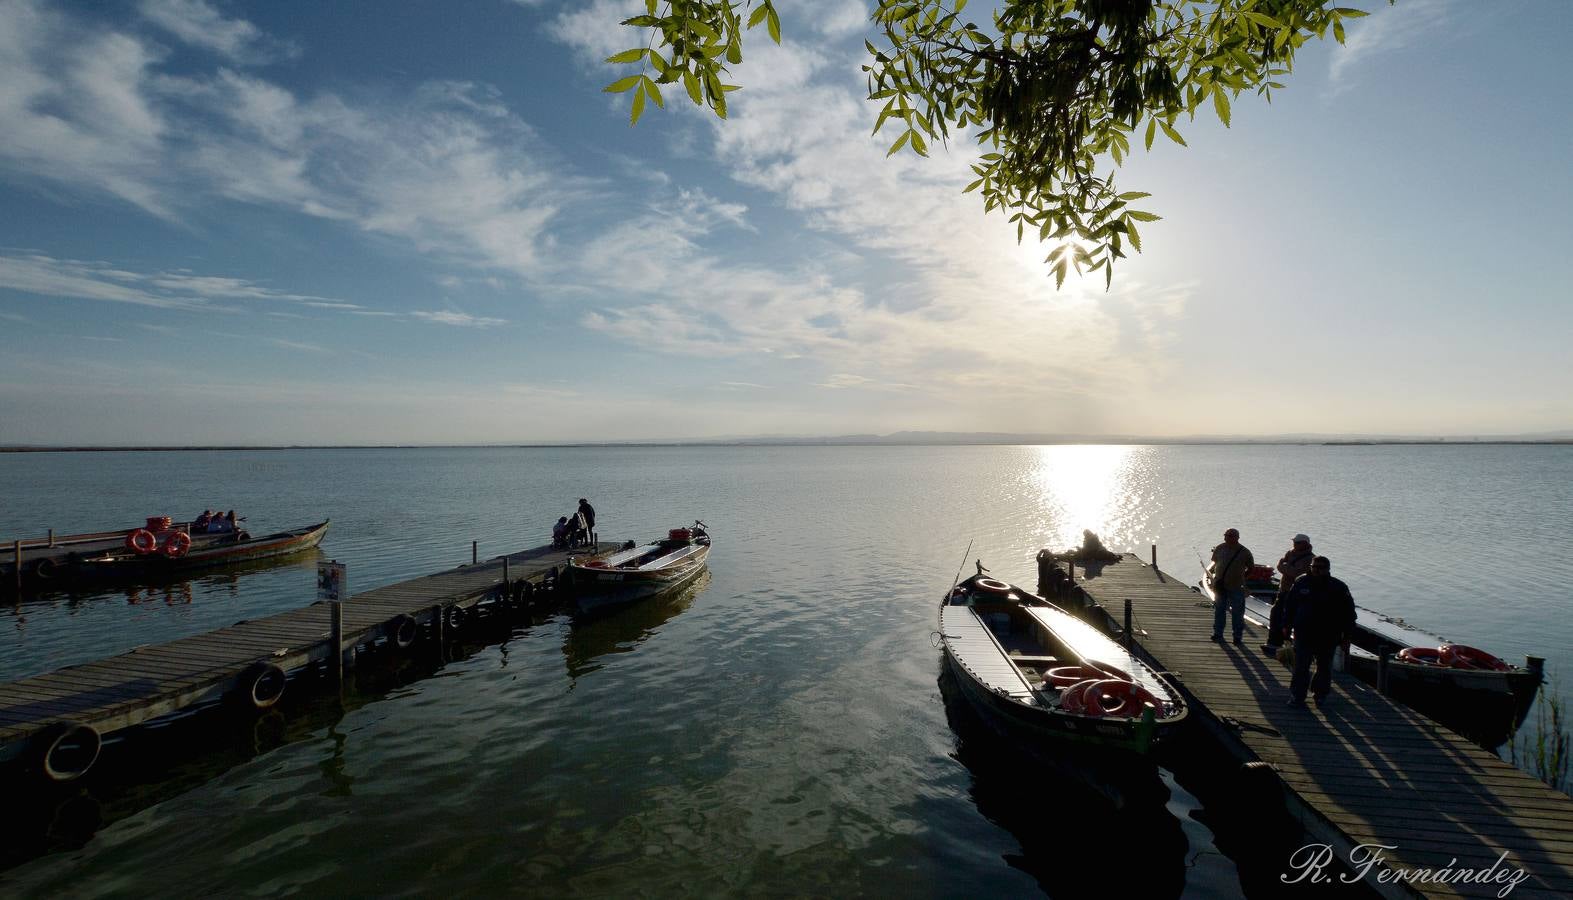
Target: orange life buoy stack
<point x="1453" y="656"/>
<point x="1102" y="695"/>
<point x="681" y="535"/>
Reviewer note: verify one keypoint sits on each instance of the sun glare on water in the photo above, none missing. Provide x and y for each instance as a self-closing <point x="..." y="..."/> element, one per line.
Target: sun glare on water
<point x="1089" y="487"/>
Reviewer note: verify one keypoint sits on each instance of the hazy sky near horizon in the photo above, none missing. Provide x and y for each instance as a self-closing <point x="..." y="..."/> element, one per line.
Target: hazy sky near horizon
<point x="358" y="222"/>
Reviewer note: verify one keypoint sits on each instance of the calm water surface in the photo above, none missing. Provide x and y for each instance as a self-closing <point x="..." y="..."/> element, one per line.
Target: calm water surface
<point x="780" y="730"/>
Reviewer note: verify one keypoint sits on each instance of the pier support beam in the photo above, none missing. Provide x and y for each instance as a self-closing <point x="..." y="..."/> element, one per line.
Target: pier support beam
<point x="336" y="635"/>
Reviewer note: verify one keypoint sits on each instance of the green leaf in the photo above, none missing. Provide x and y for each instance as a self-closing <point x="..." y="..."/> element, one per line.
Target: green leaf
<point x="1152" y="127"/>
<point x="1173" y="135"/>
<point x="1140" y="216"/>
<point x="773" y="23"/>
<point x="900" y="142"/>
<point x="1338" y="32"/>
<point x="638" y="107"/>
<point x="1134" y="195"/>
<point x="654" y="92"/>
<point x="692" y="84"/>
<point x="1221" y="106"/>
<point x="621" y="84"/>
<point x="628" y="56"/>
<point x="757" y="16"/>
<point x="918" y="145"/>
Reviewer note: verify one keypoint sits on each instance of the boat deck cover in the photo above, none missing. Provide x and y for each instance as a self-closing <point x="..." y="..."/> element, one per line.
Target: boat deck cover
<point x="975" y="648"/>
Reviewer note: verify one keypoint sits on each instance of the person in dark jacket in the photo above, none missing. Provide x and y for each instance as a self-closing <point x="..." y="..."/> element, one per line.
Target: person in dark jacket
<point x="588" y="511"/>
<point x="1320" y="613"/>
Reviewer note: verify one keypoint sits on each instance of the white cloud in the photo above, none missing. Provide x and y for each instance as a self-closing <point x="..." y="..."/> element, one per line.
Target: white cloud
<point x="451" y="317"/>
<point x="199" y="24"/>
<point x="1386" y="30"/>
<point x="35" y="273"/>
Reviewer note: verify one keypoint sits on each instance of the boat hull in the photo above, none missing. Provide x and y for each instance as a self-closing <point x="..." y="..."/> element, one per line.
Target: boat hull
<point x="207" y="554"/>
<point x="599" y="589"/>
<point x="1009" y="689"/>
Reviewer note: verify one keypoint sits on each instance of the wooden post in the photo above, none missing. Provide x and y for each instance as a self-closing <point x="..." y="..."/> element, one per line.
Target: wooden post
<point x="336" y="629"/>
<point x="1072" y="564"/>
<point x="475" y="547"/>
<point x="1155" y="556"/>
<point x="1381" y="673"/>
<point x="1127" y="623"/>
<point x="505" y="572"/>
<point x="51" y="537"/>
<point x="18" y="548"/>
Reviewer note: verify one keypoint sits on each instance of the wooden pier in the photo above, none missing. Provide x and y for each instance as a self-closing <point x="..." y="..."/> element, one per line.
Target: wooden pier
<point x="1364" y="771"/>
<point x="60" y="718"/>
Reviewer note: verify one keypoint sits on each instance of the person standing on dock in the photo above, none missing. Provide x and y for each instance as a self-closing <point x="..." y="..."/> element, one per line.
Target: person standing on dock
<point x="1295" y="562"/>
<point x="1230" y="561"/>
<point x="1321" y="612"/>
<point x="588" y="511"/>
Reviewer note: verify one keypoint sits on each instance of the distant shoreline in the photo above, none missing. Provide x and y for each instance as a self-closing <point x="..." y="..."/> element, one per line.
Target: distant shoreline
<point x="825" y="442"/>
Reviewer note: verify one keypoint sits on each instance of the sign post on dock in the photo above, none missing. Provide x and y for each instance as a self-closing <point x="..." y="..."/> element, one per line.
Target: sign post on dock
<point x="332" y="583"/>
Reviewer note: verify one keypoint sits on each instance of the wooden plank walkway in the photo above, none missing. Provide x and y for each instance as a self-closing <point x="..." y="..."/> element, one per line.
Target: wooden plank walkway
<point x="150" y="681"/>
<point x="1366" y="770"/>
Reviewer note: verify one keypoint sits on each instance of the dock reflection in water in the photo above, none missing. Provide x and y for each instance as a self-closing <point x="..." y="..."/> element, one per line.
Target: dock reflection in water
<point x="620" y="630"/>
<point x="168" y="757"/>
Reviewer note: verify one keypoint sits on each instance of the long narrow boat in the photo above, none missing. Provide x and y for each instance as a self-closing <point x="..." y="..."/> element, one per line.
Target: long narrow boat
<point x="637" y="572"/>
<point x="1035" y="671"/>
<point x="1468" y="690"/>
<point x="110" y="555"/>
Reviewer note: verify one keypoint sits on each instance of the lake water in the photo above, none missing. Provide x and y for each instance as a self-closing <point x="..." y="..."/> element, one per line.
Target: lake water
<point x="780" y="730"/>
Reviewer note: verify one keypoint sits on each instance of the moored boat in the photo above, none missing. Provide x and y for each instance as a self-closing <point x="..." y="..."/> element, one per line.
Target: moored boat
<point x="638" y="572"/>
<point x="1035" y="671"/>
<point x="1474" y="693"/>
<point x="159" y="549"/>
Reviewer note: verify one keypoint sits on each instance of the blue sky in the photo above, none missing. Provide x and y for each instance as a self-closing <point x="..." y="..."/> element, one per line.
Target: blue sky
<point x="423" y="222"/>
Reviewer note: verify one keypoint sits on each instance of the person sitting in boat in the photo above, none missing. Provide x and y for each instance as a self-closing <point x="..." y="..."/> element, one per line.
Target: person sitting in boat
<point x="1321" y="613"/>
<point x="560" y="533"/>
<point x="200" y="523"/>
<point x="1295" y="562"/>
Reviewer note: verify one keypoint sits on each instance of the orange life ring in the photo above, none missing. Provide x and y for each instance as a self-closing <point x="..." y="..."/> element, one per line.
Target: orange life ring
<point x="991" y="585"/>
<point x="1425" y="656"/>
<point x="1073" y="699"/>
<point x="1065" y="676"/>
<point x="142" y="541"/>
<point x="176" y="546"/>
<point x="1472" y="658"/>
<point x="1114" y="697"/>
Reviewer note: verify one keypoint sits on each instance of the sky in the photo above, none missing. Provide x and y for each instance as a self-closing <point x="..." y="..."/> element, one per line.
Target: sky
<point x="424" y="222"/>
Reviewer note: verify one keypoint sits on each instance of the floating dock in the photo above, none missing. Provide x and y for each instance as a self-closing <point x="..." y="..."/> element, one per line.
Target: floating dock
<point x="1364" y="771"/>
<point x="60" y="718"/>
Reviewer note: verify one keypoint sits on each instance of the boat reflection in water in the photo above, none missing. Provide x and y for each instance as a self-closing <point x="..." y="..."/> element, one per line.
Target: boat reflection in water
<point x="621" y="629"/>
<point x="1085" y="826"/>
<point x="170" y="587"/>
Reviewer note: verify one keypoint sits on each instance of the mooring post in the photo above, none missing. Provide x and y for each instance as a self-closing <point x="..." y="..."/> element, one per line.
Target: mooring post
<point x="1155" y="556"/>
<point x="505" y="573"/>
<point x="1127" y="623"/>
<point x="18" y="548"/>
<point x="1381" y="673"/>
<point x="1536" y="664"/>
<point x="336" y="634"/>
<point x="475" y="547"/>
<point x="1072" y="564"/>
<point x="51" y="537"/>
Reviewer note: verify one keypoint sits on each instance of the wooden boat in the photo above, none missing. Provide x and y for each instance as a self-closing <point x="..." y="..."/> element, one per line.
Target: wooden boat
<point x="638" y="572"/>
<point x="144" y="553"/>
<point x="1036" y="671"/>
<point x="1468" y="690"/>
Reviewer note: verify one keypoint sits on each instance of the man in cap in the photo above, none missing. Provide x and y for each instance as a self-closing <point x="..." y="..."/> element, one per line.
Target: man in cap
<point x="1296" y="562"/>
<point x="1227" y="578"/>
